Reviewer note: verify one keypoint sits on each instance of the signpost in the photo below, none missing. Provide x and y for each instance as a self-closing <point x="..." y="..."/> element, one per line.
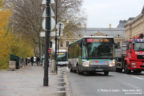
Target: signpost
<point x="47" y="25"/>
<point x="52" y="34"/>
<point x="52" y="24"/>
<point x="60" y="27"/>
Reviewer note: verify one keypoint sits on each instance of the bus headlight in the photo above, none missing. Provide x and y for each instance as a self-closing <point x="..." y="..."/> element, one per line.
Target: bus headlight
<point x="112" y="63"/>
<point x="85" y="63"/>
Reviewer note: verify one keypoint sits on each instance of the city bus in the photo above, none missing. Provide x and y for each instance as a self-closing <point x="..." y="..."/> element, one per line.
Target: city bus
<point x="62" y="57"/>
<point x="92" y="54"/>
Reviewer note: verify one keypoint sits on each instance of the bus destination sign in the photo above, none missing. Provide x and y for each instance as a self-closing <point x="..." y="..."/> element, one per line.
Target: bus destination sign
<point x="93" y="40"/>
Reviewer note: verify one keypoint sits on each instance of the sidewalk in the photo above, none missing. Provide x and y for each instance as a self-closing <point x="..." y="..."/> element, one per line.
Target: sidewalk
<point x="27" y="81"/>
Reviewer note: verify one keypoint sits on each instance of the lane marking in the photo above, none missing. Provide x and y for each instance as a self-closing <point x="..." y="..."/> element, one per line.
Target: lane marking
<point x="130" y="85"/>
<point x="138" y="77"/>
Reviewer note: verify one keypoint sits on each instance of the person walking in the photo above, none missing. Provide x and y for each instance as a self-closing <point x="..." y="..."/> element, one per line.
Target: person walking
<point x="38" y="60"/>
<point x="32" y="61"/>
<point x="26" y="59"/>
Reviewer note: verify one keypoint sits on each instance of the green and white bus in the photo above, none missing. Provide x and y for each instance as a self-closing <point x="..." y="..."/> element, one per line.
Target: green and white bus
<point x="62" y="57"/>
<point x="92" y="54"/>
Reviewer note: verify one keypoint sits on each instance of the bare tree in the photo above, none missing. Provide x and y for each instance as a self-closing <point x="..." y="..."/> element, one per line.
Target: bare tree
<point x="26" y="20"/>
<point x="69" y="12"/>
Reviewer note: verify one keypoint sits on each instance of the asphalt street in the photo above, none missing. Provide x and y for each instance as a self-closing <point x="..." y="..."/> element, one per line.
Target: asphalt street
<point x="116" y="84"/>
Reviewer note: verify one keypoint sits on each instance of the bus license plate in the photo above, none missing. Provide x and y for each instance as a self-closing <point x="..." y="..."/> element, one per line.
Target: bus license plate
<point x="99" y="69"/>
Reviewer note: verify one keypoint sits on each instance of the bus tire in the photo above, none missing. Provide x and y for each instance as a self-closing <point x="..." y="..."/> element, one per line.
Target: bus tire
<point x="106" y="73"/>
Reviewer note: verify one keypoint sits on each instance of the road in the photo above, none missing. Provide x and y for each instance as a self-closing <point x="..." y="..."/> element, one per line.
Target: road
<point x="116" y="84"/>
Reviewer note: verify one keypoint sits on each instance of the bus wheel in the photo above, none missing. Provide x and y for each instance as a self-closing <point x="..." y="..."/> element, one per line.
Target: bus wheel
<point x="106" y="73"/>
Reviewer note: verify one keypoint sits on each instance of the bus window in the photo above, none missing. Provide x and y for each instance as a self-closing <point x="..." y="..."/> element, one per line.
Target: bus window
<point x="99" y="50"/>
<point x="62" y="56"/>
<point x="84" y="51"/>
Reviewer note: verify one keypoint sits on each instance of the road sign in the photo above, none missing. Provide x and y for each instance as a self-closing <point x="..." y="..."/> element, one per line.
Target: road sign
<point x="61" y="32"/>
<point x="60" y="24"/>
<point x="44" y="2"/>
<point x="60" y="27"/>
<point x="44" y="13"/>
<point x="49" y="50"/>
<point x="42" y="34"/>
<point x="52" y="24"/>
<point x="44" y="24"/>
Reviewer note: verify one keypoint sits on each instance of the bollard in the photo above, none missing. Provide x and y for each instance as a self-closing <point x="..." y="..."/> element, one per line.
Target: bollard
<point x="63" y="72"/>
<point x="62" y="88"/>
<point x="61" y="84"/>
<point x="61" y="76"/>
<point x="61" y="79"/>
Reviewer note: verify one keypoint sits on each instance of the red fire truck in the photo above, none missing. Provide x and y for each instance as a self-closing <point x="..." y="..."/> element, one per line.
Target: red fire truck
<point x="131" y="56"/>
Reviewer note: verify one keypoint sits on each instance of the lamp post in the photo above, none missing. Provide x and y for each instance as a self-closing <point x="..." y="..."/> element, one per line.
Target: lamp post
<point x="59" y="37"/>
<point x="56" y="18"/>
<point x="47" y="41"/>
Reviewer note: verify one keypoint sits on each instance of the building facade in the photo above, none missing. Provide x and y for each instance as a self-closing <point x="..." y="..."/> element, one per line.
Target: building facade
<point x="135" y="26"/>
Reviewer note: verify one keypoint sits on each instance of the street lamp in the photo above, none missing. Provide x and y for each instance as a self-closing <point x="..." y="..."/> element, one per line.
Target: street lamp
<point x="56" y="18"/>
<point x="57" y="38"/>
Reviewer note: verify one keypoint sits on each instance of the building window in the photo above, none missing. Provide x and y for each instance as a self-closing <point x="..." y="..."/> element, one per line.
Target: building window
<point x="118" y="35"/>
<point x="67" y="43"/>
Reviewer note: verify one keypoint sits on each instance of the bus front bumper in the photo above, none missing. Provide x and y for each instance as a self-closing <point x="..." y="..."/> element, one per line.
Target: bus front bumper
<point x="97" y="68"/>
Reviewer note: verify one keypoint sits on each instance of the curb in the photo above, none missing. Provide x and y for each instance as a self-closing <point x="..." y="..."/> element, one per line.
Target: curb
<point x="63" y="83"/>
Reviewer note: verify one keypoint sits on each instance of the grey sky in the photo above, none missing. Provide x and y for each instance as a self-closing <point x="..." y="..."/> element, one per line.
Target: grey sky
<point x="101" y="13"/>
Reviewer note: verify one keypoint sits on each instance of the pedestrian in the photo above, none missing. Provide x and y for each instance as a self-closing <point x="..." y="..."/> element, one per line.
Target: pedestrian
<point x="32" y="61"/>
<point x="43" y="60"/>
<point x="38" y="60"/>
<point x="26" y="61"/>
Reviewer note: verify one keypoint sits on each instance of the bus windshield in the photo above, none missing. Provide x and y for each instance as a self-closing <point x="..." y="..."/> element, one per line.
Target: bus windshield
<point x="139" y="46"/>
<point x="100" y="50"/>
<point x="62" y="56"/>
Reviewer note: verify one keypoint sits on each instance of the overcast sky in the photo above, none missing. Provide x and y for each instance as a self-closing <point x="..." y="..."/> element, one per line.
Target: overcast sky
<point x="101" y="13"/>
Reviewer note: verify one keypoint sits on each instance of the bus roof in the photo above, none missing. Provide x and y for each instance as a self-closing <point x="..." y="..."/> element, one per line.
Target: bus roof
<point x="98" y="37"/>
<point x="91" y="37"/>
